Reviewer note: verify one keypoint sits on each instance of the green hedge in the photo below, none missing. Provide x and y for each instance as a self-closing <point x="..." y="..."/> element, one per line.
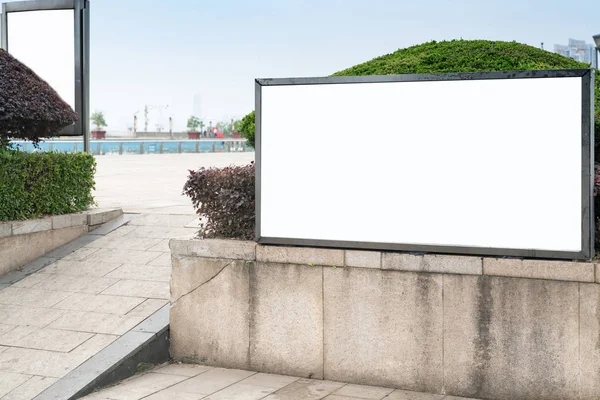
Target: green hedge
<point x="37" y="184"/>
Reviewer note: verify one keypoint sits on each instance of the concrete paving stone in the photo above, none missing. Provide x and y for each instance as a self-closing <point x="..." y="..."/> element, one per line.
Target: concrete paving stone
<point x="91" y="347"/>
<point x="163" y="245"/>
<point x="30" y="281"/>
<point x="37" y="362"/>
<point x="80" y="254"/>
<point x="138" y="387"/>
<point x="174" y="221"/>
<point x="69" y="248"/>
<point x="408" y="395"/>
<point x="363" y="392"/>
<point x="120" y="232"/>
<point x="99" y="303"/>
<point x="25" y="271"/>
<point x="31" y="388"/>
<point x="3" y="286"/>
<point x="189" y="370"/>
<point x="71" y="283"/>
<point x="6" y="328"/>
<point x="156" y="323"/>
<point x="270" y="380"/>
<point x="44" y="339"/>
<point x="162" y="232"/>
<point x="212" y="381"/>
<point x="241" y="391"/>
<point x="304" y="389"/>
<point x="2" y="348"/>
<point x="458" y="398"/>
<point x="10" y="381"/>
<point x="31" y="225"/>
<point x="150" y="289"/>
<point x="110" y="324"/>
<point x="79" y="268"/>
<point x="31" y="297"/>
<point x="163" y="260"/>
<point x="125" y="243"/>
<point x="122" y="256"/>
<point x="113" y="225"/>
<point x="148" y="307"/>
<point x="170" y="394"/>
<point x="16" y="315"/>
<point x="142" y="272"/>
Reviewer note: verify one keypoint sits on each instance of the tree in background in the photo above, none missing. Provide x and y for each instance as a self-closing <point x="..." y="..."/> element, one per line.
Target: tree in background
<point x="247" y="128"/>
<point x="98" y="120"/>
<point x="193" y="123"/>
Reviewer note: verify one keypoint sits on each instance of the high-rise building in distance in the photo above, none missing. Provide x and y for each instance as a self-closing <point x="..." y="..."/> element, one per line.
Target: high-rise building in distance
<point x="578" y="50"/>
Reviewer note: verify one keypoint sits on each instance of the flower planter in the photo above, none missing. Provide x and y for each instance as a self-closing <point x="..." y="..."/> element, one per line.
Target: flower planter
<point x="98" y="134"/>
<point x="193" y="135"/>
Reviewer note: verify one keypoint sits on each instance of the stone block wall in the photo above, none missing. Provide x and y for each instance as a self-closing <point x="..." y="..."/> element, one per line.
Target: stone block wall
<point x="464" y="326"/>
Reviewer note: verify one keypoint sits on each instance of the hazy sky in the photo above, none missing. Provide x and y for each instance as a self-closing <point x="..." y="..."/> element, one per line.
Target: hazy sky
<point x="171" y="51"/>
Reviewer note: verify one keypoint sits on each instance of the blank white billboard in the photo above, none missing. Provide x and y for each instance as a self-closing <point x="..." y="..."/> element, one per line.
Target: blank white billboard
<point x="44" y="41"/>
<point x="477" y="166"/>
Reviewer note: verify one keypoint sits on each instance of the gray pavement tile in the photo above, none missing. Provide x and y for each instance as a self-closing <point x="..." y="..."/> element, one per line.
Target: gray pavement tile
<point x="189" y="370"/>
<point x="141" y="386"/>
<point x="241" y="391"/>
<point x="211" y="381"/>
<point x="100" y="303"/>
<point x="408" y="395"/>
<point x="164" y="260"/>
<point x="148" y="307"/>
<point x="305" y="389"/>
<point x="31" y="297"/>
<point x="141" y="273"/>
<point x="363" y="392"/>
<point x="74" y="245"/>
<point x="94" y="322"/>
<point x="125" y="243"/>
<point x="121" y="256"/>
<point x="80" y="254"/>
<point x="16" y="315"/>
<point x="10" y="381"/>
<point x="156" y="323"/>
<point x="270" y="380"/>
<point x="71" y="283"/>
<point x="149" y="289"/>
<point x="163" y="246"/>
<point x="162" y="232"/>
<point x="174" y="221"/>
<point x="30" y="388"/>
<point x="44" y="338"/>
<point x="115" y="224"/>
<point x="25" y="271"/>
<point x="79" y="268"/>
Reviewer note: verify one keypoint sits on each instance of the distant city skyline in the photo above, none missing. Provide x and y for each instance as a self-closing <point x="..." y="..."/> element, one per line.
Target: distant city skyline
<point x="201" y="56"/>
<point x="578" y="50"/>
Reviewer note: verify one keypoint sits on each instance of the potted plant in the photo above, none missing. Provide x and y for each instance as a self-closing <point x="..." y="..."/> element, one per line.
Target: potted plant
<point x="193" y="123"/>
<point x="99" y="123"/>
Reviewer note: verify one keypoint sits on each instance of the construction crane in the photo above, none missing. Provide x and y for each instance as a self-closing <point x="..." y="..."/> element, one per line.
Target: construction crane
<point x="146" y="109"/>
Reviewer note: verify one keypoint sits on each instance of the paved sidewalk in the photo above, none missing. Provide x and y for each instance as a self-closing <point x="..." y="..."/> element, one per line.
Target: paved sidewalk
<point x="57" y="318"/>
<point x="195" y="382"/>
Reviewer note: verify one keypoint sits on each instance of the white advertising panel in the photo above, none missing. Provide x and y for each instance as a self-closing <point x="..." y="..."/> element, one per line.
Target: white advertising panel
<point x="494" y="163"/>
<point x="44" y="41"/>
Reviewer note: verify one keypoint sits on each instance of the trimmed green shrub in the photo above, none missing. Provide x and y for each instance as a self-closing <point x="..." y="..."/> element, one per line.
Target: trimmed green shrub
<point x="225" y="196"/>
<point x="37" y="184"/>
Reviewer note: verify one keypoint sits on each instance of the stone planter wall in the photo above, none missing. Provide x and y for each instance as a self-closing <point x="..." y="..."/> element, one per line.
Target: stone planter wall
<point x="24" y="241"/>
<point x="466" y="326"/>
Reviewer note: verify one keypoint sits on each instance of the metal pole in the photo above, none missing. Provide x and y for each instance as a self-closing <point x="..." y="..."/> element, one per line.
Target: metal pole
<point x="4" y="31"/>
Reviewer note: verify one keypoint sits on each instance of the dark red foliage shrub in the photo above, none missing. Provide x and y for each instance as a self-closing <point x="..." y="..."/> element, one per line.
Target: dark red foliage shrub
<point x="29" y="108"/>
<point x="225" y="196"/>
